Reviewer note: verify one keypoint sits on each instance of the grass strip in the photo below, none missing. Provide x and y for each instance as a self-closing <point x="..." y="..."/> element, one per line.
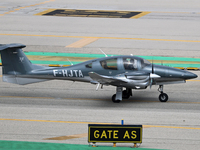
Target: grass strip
<point x="23" y="145"/>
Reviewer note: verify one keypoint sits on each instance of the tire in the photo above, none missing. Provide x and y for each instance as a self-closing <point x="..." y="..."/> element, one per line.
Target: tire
<point x="163" y="97"/>
<point x="125" y="95"/>
<point x="113" y="99"/>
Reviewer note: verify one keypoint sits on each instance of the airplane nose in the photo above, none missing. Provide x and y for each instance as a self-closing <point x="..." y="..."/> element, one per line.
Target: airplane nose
<point x="190" y="75"/>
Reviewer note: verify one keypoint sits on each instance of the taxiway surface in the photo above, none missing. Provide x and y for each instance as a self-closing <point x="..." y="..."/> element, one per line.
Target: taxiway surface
<point x="55" y="109"/>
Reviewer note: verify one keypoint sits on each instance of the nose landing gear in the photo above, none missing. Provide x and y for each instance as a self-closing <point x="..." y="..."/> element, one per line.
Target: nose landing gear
<point x="163" y="97"/>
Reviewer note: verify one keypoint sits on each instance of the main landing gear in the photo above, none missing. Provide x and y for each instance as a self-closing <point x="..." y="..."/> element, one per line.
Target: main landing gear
<point x="163" y="97"/>
<point x="125" y="94"/>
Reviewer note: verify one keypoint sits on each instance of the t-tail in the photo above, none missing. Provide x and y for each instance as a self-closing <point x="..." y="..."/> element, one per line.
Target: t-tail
<point x="16" y="66"/>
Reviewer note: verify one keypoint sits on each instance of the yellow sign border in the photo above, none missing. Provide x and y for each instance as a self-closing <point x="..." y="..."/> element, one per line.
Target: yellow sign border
<point x="114" y="126"/>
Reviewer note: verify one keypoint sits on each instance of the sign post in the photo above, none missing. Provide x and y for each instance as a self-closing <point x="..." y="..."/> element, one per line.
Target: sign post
<point x="114" y="133"/>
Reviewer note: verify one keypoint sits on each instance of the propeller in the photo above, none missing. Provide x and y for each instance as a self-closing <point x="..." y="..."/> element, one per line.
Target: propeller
<point x="152" y="69"/>
<point x="153" y="76"/>
<point x="152" y="72"/>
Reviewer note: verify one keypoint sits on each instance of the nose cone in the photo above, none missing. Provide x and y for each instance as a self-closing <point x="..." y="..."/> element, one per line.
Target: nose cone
<point x="190" y="75"/>
<point x="186" y="75"/>
<point x="174" y="73"/>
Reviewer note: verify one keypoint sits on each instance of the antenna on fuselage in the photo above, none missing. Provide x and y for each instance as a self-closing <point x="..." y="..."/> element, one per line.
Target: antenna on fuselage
<point x="70" y="62"/>
<point x="103" y="52"/>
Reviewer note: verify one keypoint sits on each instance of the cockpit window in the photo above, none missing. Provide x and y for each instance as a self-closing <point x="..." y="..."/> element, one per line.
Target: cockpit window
<point x="88" y="65"/>
<point x="130" y="63"/>
<point x="144" y="63"/>
<point x="109" y="64"/>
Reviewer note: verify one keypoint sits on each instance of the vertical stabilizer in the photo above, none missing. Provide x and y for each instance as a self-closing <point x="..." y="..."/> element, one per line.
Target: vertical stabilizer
<point x="15" y="64"/>
<point x="14" y="61"/>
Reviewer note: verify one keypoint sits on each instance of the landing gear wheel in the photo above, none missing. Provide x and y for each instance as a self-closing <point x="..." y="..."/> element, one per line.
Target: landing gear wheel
<point x="163" y="97"/>
<point x="113" y="99"/>
<point x="125" y="94"/>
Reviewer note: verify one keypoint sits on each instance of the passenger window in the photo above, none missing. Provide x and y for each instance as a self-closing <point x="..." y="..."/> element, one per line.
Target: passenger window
<point x="109" y="64"/>
<point x="130" y="63"/>
<point x="88" y="65"/>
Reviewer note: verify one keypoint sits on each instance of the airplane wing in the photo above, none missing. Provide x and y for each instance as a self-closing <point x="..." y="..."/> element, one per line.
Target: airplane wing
<point x="106" y="79"/>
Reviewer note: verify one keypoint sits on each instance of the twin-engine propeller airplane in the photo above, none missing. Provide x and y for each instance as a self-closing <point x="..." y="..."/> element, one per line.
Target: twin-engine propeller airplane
<point x="129" y="72"/>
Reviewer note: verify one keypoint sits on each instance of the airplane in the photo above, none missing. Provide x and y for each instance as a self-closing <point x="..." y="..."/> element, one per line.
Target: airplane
<point x="127" y="71"/>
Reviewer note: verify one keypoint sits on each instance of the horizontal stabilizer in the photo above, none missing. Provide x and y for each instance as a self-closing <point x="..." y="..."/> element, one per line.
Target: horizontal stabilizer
<point x="11" y="46"/>
<point x="22" y="81"/>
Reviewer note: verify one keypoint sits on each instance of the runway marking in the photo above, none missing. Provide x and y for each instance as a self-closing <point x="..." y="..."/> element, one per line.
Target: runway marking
<point x="76" y="122"/>
<point x="83" y="42"/>
<point x="17" y="9"/>
<point x="111" y="38"/>
<point x="68" y="137"/>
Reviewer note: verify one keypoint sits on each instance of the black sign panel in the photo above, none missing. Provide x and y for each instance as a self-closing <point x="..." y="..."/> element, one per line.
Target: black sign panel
<point x="115" y="133"/>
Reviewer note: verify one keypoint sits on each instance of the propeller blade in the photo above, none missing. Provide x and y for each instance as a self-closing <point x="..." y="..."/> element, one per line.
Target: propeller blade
<point x="152" y="69"/>
<point x="151" y="82"/>
<point x="153" y="76"/>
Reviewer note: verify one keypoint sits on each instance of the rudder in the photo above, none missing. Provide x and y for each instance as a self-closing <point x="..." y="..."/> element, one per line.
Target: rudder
<point x="14" y="61"/>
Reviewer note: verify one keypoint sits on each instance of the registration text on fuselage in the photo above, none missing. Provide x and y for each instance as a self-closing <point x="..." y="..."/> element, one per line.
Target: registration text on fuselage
<point x="68" y="73"/>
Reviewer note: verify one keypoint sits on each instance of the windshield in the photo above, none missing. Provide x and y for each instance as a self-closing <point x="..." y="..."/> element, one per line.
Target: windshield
<point x="145" y="63"/>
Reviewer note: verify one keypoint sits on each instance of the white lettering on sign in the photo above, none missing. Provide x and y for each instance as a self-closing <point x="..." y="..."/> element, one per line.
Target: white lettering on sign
<point x="68" y="73"/>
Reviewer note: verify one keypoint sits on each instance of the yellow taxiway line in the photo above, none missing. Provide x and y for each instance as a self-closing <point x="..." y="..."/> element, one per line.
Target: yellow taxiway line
<point x="17" y="9"/>
<point x="54" y="121"/>
<point x="77" y="122"/>
<point x="160" y="12"/>
<point x="172" y="127"/>
<point x="140" y="15"/>
<point x="44" y="12"/>
<point x="68" y="137"/>
<point x="83" y="42"/>
<point x="114" y="38"/>
<point x="193" y="80"/>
